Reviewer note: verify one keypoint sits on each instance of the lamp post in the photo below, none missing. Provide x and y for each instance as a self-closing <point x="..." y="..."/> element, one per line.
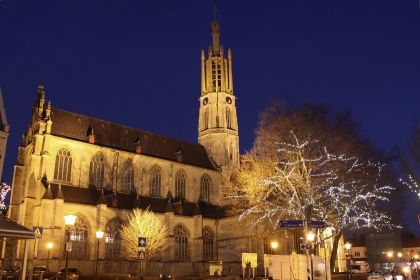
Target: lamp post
<point x="69" y="220"/>
<point x="347" y="246"/>
<point x="50" y="245"/>
<point x="389" y="255"/>
<point x="99" y="235"/>
<point x="310" y="238"/>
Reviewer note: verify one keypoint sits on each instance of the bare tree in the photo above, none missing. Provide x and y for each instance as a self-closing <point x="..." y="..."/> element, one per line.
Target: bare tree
<point x="412" y="163"/>
<point x="144" y="223"/>
<point x="304" y="167"/>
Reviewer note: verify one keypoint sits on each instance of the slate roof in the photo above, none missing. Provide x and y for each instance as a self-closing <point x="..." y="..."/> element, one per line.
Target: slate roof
<point x="75" y="126"/>
<point x="91" y="196"/>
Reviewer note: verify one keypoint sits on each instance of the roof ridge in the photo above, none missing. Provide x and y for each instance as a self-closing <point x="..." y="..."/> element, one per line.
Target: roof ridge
<point x="129" y="127"/>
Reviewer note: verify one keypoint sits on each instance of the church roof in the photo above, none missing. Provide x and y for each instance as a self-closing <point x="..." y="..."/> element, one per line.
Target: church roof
<point x="75" y="126"/>
<point x="90" y="196"/>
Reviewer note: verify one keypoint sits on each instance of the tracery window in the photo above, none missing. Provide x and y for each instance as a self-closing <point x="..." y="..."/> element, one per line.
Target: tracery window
<point x="127" y="176"/>
<point x="63" y="165"/>
<point x="78" y="236"/>
<point x="208" y="244"/>
<point x="113" y="241"/>
<point x="205" y="188"/>
<point x="97" y="171"/>
<point x="155" y="181"/>
<point x="180" y="185"/>
<point x="181" y="243"/>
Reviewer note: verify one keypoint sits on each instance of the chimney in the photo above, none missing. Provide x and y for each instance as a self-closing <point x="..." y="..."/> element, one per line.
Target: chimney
<point x="178" y="155"/>
<point x="90" y="135"/>
<point x="137" y="145"/>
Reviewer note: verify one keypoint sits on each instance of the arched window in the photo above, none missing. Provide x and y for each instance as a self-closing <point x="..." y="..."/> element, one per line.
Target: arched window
<point x="206" y="119"/>
<point x="205" y="188"/>
<point x="63" y="165"/>
<point x="181" y="243"/>
<point x="228" y="118"/>
<point x="180" y="185"/>
<point x="113" y="240"/>
<point x="208" y="244"/>
<point x="78" y="236"/>
<point x="155" y="181"/>
<point x="127" y="176"/>
<point x="97" y="170"/>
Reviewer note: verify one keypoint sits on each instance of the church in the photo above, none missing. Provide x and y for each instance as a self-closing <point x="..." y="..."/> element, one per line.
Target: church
<point x="100" y="171"/>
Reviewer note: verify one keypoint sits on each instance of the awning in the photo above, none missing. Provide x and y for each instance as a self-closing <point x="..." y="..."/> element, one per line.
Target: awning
<point x="9" y="228"/>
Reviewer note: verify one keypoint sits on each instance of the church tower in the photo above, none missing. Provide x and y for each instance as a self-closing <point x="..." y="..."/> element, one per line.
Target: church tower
<point x="218" y="123"/>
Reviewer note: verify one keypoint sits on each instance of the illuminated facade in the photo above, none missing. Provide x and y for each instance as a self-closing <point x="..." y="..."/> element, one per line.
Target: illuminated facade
<point x="100" y="171"/>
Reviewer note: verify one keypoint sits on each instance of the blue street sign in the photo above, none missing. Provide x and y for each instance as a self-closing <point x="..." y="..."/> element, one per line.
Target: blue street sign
<point x="142" y="242"/>
<point x="317" y="224"/>
<point x="291" y="224"/>
<point x="38" y="231"/>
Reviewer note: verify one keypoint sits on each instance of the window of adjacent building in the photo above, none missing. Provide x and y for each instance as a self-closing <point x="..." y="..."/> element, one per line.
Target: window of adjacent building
<point x="155" y="181"/>
<point x="205" y="188"/>
<point x="63" y="165"/>
<point x="113" y="241"/>
<point x="180" y="185"/>
<point x="228" y="118"/>
<point x="208" y="244"/>
<point x="127" y="176"/>
<point x="181" y="243"/>
<point x="78" y="236"/>
<point x="357" y="254"/>
<point x="97" y="171"/>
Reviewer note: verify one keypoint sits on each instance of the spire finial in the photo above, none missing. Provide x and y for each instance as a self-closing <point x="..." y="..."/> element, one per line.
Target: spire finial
<point x="215" y="32"/>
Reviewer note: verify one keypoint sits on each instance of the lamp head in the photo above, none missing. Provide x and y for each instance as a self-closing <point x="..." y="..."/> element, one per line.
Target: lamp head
<point x="310" y="236"/>
<point x="347" y="246"/>
<point x="274" y="244"/>
<point x="99" y="234"/>
<point x="399" y="254"/>
<point x="50" y="245"/>
<point x="390" y="254"/>
<point x="70" y="219"/>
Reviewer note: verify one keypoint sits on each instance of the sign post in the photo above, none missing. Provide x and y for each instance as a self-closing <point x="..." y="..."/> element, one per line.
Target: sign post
<point x="141" y="245"/>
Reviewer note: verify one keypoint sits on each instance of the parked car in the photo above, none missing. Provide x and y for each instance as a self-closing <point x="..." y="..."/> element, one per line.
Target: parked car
<point x="72" y="274"/>
<point x="41" y="272"/>
<point x="380" y="275"/>
<point x="11" y="272"/>
<point x="362" y="267"/>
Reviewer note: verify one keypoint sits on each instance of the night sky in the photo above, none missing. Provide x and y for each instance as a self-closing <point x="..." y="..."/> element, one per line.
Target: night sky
<point x="138" y="62"/>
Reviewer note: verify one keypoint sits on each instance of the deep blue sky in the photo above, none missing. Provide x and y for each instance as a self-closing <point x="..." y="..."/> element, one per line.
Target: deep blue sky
<point x="138" y="62"/>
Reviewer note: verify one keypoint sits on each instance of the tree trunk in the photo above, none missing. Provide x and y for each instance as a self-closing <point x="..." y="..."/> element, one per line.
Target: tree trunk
<point x="334" y="250"/>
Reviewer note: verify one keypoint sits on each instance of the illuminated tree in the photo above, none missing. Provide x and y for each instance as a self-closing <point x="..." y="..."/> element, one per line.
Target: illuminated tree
<point x="144" y="223"/>
<point x="289" y="172"/>
<point x="412" y="164"/>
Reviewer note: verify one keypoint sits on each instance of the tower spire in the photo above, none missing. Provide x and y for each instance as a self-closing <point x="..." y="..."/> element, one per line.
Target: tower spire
<point x="215" y="33"/>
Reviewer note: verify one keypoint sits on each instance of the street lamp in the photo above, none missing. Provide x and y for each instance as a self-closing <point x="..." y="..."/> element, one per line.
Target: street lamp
<point x="347" y="246"/>
<point x="274" y="245"/>
<point x="69" y="220"/>
<point x="310" y="236"/>
<point x="50" y="245"/>
<point x="99" y="235"/>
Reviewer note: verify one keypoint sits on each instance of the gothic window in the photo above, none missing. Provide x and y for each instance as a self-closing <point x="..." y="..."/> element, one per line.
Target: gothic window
<point x="155" y="181"/>
<point x="97" y="170"/>
<point x="228" y="118"/>
<point x="63" y="165"/>
<point x="180" y="185"/>
<point x="216" y="71"/>
<point x="113" y="241"/>
<point x="127" y="176"/>
<point x="78" y="236"/>
<point x="208" y="244"/>
<point x="206" y="119"/>
<point x="181" y="243"/>
<point x="205" y="188"/>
